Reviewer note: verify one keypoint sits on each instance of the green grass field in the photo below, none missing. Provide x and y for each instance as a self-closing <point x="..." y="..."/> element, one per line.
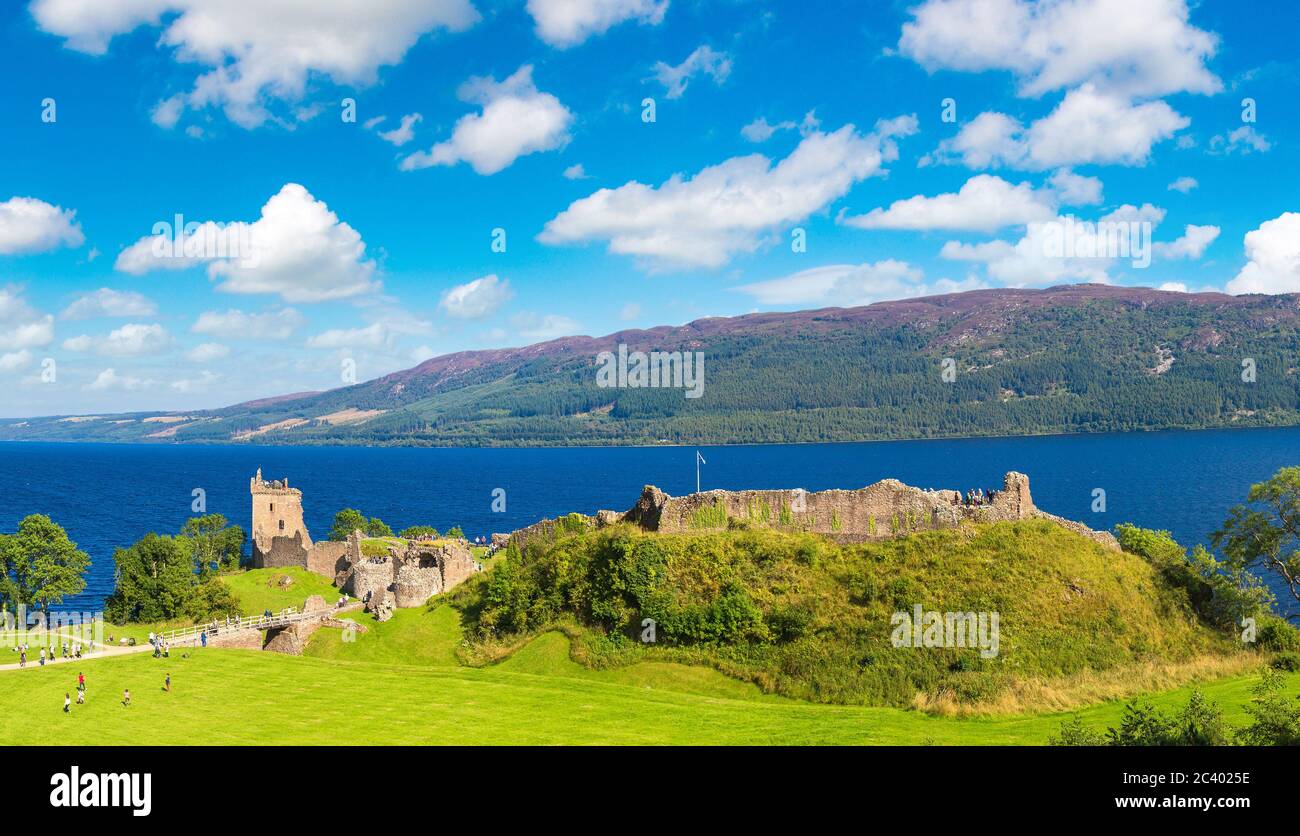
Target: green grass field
<point x="399" y="683"/>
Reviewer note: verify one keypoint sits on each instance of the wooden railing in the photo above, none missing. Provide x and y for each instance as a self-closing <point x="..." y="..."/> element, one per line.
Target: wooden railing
<point x="283" y="618"/>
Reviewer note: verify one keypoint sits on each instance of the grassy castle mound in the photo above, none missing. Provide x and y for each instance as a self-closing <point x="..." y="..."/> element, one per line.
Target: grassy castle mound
<point x="806" y="618"/>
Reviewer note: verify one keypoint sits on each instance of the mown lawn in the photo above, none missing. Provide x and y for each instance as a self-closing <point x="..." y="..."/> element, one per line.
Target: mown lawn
<point x="538" y="697"/>
<point x="262" y="589"/>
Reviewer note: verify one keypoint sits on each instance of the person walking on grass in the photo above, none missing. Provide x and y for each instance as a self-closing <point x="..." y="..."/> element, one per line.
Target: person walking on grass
<point x="81" y="697"/>
<point x="42" y="657"/>
<point x="167" y="684"/>
<point x="22" y="658"/>
<point x="81" y="682"/>
<point x="67" y="703"/>
<point x="126" y="697"/>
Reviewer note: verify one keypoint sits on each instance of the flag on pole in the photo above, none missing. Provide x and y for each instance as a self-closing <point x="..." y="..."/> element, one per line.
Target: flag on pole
<point x="701" y="458"/>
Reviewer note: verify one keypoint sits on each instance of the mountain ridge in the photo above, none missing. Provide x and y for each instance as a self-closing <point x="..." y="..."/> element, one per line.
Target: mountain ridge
<point x="1008" y="341"/>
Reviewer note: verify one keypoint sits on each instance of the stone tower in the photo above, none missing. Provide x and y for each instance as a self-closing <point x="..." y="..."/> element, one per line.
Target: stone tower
<point x="280" y="536"/>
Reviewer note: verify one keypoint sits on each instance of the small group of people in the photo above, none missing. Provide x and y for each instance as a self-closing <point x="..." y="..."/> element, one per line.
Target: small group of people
<point x="81" y="694"/>
<point x="126" y="693"/>
<point x="979" y="496"/>
<point x="162" y="649"/>
<point x="65" y="650"/>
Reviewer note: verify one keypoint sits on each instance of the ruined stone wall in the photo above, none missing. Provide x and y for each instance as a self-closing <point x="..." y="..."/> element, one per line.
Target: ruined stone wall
<point x="326" y="558"/>
<point x="415" y="585"/>
<point x="883" y="510"/>
<point x="237" y="639"/>
<point x="372" y="575"/>
<point x="886" y="509"/>
<point x="279" y="552"/>
<point x="458" y="564"/>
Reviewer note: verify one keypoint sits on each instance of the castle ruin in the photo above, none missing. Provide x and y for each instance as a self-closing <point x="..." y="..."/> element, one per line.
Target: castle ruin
<point x="404" y="577"/>
<point x="879" y="511"/>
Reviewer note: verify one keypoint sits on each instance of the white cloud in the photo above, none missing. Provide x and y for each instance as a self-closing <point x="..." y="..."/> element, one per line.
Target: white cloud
<point x="984" y="203"/>
<point x="1243" y="140"/>
<point x="575" y="172"/>
<point x="1174" y="287"/>
<point x="403" y="133"/>
<point x="236" y="324"/>
<point x="374" y="335"/>
<point x="1273" y="250"/>
<point x="538" y="328"/>
<point x="760" y="131"/>
<point x="630" y="312"/>
<point x="107" y="302"/>
<point x="207" y="352"/>
<point x="516" y="120"/>
<point x="850" y="284"/>
<point x="704" y="60"/>
<point x="1038" y="258"/>
<point x="1191" y="244"/>
<point x="15" y="360"/>
<point x="298" y="249"/>
<point x="28" y="225"/>
<point x="82" y="344"/>
<point x="728" y="208"/>
<point x="134" y="339"/>
<point x="1145" y="48"/>
<point x="109" y="379"/>
<point x="566" y="23"/>
<point x="21" y="325"/>
<point x="477" y="299"/>
<point x="196" y="384"/>
<point x="1088" y="126"/>
<point x="258" y="52"/>
<point x="1075" y="189"/>
<point x="1183" y="184"/>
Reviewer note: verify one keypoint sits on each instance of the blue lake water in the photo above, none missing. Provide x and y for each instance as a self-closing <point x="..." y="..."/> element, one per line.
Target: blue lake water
<point x="109" y="495"/>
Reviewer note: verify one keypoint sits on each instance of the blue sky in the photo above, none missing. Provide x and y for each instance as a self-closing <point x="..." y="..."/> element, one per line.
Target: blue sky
<point x="913" y="147"/>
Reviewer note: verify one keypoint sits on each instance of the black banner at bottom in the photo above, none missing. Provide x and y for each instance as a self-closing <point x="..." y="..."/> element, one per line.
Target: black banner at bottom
<point x="152" y="786"/>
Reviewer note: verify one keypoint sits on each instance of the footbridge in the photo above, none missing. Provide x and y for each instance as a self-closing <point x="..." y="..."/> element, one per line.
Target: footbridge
<point x="286" y="631"/>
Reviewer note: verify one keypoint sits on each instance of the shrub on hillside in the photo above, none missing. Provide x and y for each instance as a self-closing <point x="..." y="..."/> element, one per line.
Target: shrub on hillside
<point x="1221" y="594"/>
<point x="1288" y="661"/>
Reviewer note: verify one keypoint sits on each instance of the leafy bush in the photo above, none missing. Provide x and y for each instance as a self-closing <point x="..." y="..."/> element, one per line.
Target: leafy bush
<point x="1288" y="661"/>
<point x="415" y="532"/>
<point x="1200" y="723"/>
<point x="1276" y="634"/>
<point x="1221" y="594"/>
<point x="1275" y="714"/>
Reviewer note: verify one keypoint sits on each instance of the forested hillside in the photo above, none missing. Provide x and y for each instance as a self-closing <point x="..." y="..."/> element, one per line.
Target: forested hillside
<point x="1079" y="358"/>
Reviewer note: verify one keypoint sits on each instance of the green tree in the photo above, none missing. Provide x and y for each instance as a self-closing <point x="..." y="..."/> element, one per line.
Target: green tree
<point x="415" y="532"/>
<point x="1222" y="592"/>
<point x="455" y="533"/>
<point x="155" y="578"/>
<point x="1275" y="714"/>
<point x="1268" y="534"/>
<point x="376" y="527"/>
<point x="41" y="565"/>
<point x="345" y="522"/>
<point x="216" y="545"/>
<point x="210" y="599"/>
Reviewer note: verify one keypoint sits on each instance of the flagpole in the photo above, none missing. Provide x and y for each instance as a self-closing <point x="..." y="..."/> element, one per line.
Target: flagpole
<point x="699" y="460"/>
